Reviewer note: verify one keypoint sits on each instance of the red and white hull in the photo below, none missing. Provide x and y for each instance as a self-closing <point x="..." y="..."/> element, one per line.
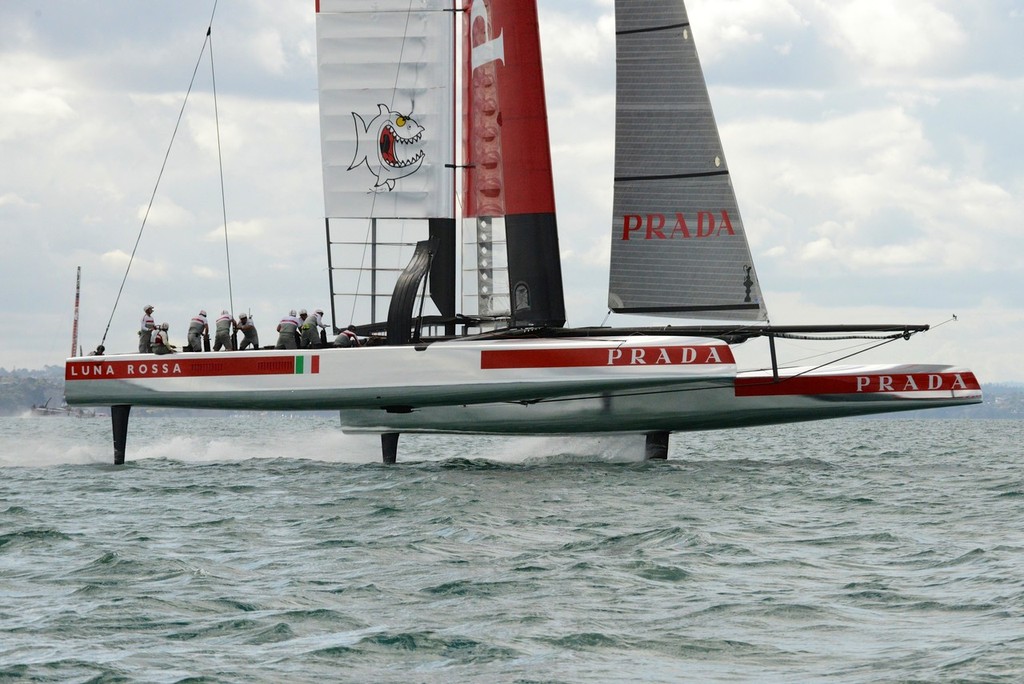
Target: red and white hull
<point x="750" y="398"/>
<point x="635" y="384"/>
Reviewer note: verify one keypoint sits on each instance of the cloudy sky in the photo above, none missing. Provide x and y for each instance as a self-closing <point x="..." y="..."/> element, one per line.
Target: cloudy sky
<point x="876" y="148"/>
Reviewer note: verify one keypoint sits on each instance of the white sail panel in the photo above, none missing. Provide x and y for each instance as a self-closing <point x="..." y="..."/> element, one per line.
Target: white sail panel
<point x="678" y="243"/>
<point x="386" y="82"/>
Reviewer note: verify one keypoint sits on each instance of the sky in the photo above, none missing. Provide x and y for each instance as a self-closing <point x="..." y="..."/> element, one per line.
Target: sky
<point x="876" y="148"/>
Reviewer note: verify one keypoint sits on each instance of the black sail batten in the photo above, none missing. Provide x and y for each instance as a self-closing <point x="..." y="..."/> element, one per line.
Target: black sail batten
<point x="690" y="309"/>
<point x="702" y="174"/>
<point x="649" y="29"/>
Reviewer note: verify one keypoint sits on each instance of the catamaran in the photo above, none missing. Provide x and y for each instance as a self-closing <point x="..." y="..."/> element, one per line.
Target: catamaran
<point x="501" y="360"/>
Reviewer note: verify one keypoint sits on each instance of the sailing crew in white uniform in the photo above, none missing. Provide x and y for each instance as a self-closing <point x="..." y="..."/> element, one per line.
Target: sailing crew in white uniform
<point x="302" y="322"/>
<point x="288" y="329"/>
<point x="223" y="334"/>
<point x="196" y="329"/>
<point x="146" y="328"/>
<point x="311" y="328"/>
<point x="347" y="338"/>
<point x="161" y="340"/>
<point x="249" y="335"/>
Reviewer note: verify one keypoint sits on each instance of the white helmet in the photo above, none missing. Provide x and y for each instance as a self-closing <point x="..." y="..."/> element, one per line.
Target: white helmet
<point x="164" y="326"/>
<point x="302" y="312"/>
<point x="224" y="312"/>
<point x="292" y="312"/>
<point x="202" y="312"/>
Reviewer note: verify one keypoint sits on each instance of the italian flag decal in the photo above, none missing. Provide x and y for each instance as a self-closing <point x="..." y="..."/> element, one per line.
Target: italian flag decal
<point x="307" y="364"/>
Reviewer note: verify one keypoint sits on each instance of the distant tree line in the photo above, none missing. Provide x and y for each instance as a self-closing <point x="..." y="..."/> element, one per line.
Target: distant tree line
<point x="21" y="390"/>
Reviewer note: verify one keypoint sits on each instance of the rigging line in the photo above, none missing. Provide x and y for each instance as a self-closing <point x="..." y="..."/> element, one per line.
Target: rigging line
<point x="220" y="166"/>
<point x="951" y="319"/>
<point x="159" y="177"/>
<point x="802" y="359"/>
<point x="401" y="56"/>
<point x="842" y="358"/>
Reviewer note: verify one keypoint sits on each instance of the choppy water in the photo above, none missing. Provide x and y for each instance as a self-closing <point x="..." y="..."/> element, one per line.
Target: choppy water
<point x="272" y="549"/>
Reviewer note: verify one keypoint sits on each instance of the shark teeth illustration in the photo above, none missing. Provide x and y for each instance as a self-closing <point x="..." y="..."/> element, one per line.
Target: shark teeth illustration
<point x="396" y="137"/>
<point x="394" y="160"/>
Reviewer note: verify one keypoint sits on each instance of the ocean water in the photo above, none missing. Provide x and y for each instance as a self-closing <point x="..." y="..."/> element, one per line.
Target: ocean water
<point x="274" y="549"/>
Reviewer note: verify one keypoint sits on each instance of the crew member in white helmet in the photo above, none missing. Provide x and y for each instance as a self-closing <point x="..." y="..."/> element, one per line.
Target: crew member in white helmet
<point x="248" y="329"/>
<point x="347" y="338"/>
<point x="310" y="330"/>
<point x="288" y="332"/>
<point x="146" y="328"/>
<point x="161" y="342"/>
<point x="197" y="328"/>
<point x="222" y="339"/>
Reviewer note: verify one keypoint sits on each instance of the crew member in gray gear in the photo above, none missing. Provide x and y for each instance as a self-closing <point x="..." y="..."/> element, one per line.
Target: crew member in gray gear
<point x="249" y="335"/>
<point x="197" y="327"/>
<point x="250" y="338"/>
<point x="160" y="342"/>
<point x="146" y="328"/>
<point x="288" y="329"/>
<point x="310" y="330"/>
<point x="223" y="334"/>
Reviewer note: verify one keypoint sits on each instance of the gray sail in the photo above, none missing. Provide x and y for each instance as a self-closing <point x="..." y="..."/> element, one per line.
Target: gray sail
<point x="678" y="244"/>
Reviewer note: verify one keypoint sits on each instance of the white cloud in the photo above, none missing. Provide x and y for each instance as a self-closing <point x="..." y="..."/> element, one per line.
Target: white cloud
<point x="883" y="35"/>
<point x="724" y="26"/>
<point x="11" y="199"/>
<point x="879" y="191"/>
<point x="115" y="262"/>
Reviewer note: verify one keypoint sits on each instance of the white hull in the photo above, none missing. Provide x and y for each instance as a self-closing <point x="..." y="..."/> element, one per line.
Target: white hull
<point x="694" y="406"/>
<point x="635" y="384"/>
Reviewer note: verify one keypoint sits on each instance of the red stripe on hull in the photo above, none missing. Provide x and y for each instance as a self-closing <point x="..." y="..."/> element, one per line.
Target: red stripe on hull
<point x="603" y="357"/>
<point x="181" y="366"/>
<point x="868" y="383"/>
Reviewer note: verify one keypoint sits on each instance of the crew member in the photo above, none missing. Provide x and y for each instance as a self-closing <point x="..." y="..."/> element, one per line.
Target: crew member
<point x="347" y="338"/>
<point x="302" y="321"/>
<point x="310" y="330"/>
<point x="161" y="341"/>
<point x="146" y="328"/>
<point x="222" y="340"/>
<point x="197" y="328"/>
<point x="99" y="350"/>
<point x="321" y="335"/>
<point x="248" y="329"/>
<point x="288" y="332"/>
